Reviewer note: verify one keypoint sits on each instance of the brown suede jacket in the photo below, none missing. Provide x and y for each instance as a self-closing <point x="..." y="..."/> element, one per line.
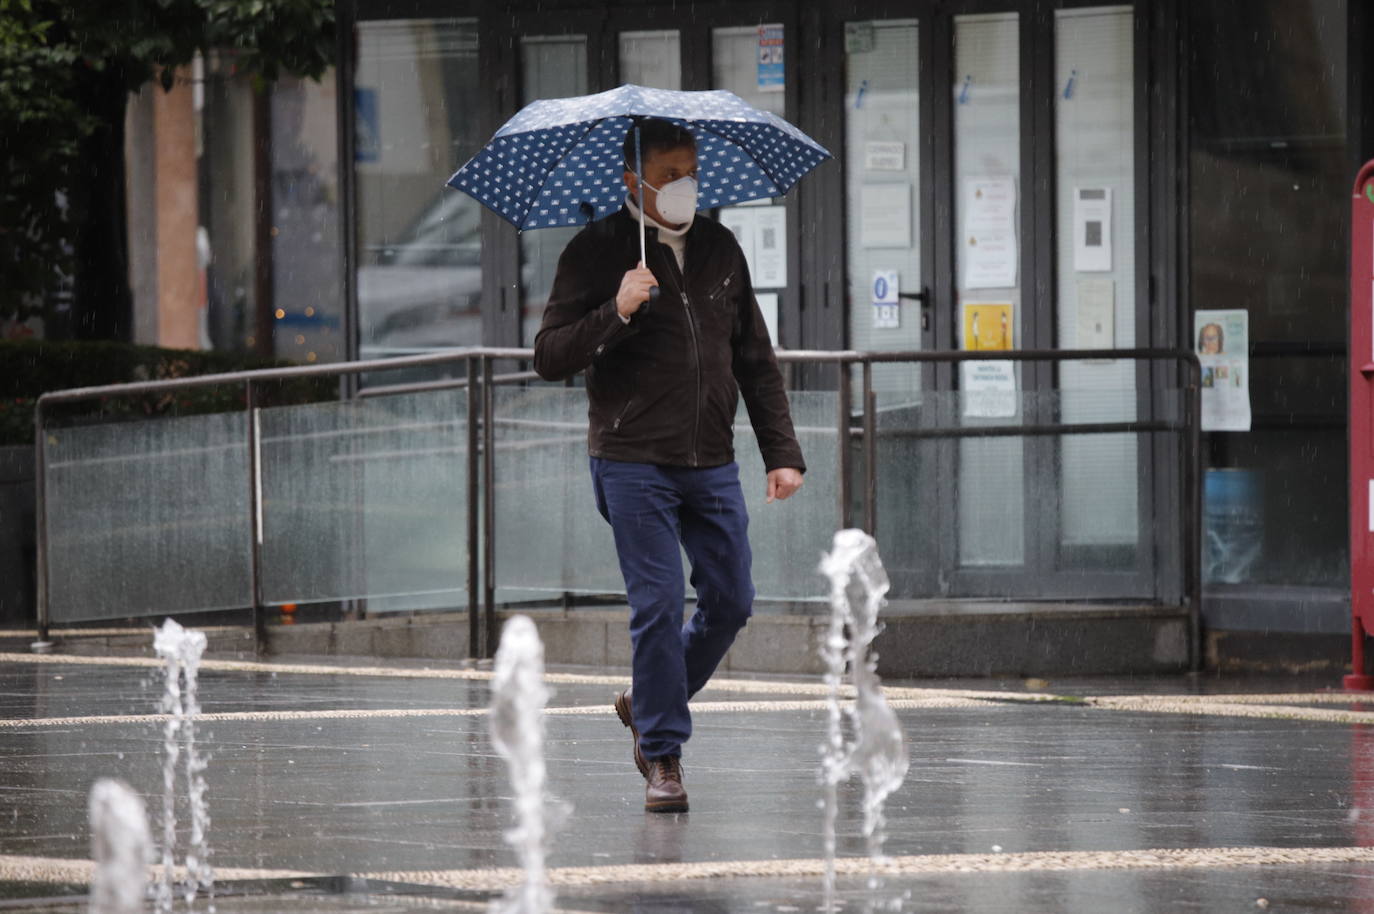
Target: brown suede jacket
<point x="663" y="388"/>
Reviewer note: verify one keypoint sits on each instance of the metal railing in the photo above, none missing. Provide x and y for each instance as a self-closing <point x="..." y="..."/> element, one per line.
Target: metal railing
<point x="480" y="379"/>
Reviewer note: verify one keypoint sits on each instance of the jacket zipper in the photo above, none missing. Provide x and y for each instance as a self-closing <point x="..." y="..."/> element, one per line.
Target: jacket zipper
<point x="696" y="356"/>
<point x="680" y="281"/>
<point x="623" y="410"/>
<point x="722" y="287"/>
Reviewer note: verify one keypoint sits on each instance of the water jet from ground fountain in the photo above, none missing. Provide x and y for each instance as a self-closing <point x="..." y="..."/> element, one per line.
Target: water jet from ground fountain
<point x="121" y="847"/>
<point x="181" y="649"/>
<point x="518" y="698"/>
<point x="876" y="750"/>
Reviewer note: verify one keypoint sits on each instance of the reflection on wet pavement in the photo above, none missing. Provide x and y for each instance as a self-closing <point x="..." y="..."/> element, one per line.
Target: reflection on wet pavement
<point x="1016" y="800"/>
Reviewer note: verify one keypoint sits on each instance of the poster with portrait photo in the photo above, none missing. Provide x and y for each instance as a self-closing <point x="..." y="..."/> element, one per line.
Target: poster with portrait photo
<point x="1222" y="342"/>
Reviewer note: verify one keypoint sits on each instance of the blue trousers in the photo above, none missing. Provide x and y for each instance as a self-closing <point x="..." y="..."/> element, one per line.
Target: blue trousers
<point x="652" y="509"/>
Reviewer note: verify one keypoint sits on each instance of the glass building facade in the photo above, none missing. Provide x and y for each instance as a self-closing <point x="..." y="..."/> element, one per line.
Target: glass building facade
<point x="1038" y="175"/>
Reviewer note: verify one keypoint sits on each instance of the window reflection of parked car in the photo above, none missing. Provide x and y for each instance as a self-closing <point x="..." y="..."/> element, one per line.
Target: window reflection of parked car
<point x="423" y="290"/>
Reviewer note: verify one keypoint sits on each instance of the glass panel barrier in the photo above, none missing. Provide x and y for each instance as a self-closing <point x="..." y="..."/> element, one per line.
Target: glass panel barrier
<point x="146" y="518"/>
<point x="788" y="538"/>
<point x="550" y="539"/>
<point x="1099" y="488"/>
<point x="909" y="520"/>
<point x="367" y="499"/>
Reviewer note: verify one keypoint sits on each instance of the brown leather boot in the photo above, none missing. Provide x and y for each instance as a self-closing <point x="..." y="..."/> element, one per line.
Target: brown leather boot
<point x="664" y="792"/>
<point x="624" y="712"/>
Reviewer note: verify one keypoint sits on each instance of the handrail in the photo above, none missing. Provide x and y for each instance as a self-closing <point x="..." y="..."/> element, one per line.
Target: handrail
<point x="294" y="372"/>
<point x="455" y="356"/>
<point x="479" y="379"/>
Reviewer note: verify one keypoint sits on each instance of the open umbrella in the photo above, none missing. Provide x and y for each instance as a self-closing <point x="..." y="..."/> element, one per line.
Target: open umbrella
<point x="559" y="161"/>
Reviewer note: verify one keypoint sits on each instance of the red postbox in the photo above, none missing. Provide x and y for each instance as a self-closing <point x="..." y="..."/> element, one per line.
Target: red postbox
<point x="1361" y="424"/>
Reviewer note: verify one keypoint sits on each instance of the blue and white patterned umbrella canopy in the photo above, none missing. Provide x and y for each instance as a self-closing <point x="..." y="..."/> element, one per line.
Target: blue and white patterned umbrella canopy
<point x="557" y="154"/>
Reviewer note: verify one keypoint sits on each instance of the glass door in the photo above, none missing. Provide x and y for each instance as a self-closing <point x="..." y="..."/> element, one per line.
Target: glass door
<point x="989" y="203"/>
<point x="882" y="165"/>
<point x="1104" y="481"/>
<point x="887" y="252"/>
<point x="948" y="244"/>
<point x="1048" y="264"/>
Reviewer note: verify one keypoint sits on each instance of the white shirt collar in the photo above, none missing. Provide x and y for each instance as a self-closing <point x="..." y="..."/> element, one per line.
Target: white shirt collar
<point x="663" y="230"/>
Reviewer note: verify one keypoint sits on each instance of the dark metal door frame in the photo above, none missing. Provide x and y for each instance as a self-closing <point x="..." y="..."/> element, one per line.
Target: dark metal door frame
<point x="812" y="307"/>
<point x="956" y="579"/>
<point x="827" y="272"/>
<point x="1044" y="573"/>
<point x="825" y="326"/>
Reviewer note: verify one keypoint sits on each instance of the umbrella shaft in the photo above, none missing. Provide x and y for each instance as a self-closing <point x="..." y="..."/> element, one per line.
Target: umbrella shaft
<point x="639" y="184"/>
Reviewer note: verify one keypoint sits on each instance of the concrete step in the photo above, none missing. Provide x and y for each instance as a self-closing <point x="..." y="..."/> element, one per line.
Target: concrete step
<point x="935" y="638"/>
<point x="921" y="639"/>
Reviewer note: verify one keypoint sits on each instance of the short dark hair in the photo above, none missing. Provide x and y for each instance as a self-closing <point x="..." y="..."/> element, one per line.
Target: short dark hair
<point x="1221" y="336"/>
<point x="655" y="135"/>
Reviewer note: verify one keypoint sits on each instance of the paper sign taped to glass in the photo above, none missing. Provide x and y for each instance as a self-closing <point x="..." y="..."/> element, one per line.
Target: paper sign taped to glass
<point x="884" y="156"/>
<point x="887" y="313"/>
<point x="1092" y="229"/>
<point x="1223" y="348"/>
<point x="989" y="233"/>
<point x="885" y="215"/>
<point x="989" y="388"/>
<point x="987" y="325"/>
<point x="1096" y="300"/>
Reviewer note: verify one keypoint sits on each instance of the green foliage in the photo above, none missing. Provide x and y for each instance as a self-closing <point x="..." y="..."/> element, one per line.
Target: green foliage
<point x="62" y="64"/>
<point x="41" y="129"/>
<point x="270" y="37"/>
<point x="29" y="368"/>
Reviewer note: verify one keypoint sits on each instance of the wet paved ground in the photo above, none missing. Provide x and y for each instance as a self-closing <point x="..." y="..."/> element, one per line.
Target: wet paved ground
<point x="1148" y="795"/>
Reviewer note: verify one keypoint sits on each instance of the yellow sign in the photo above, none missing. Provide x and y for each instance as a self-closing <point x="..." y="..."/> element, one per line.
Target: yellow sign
<point x="987" y="326"/>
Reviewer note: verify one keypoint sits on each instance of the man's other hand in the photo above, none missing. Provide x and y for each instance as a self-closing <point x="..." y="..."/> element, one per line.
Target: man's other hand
<point x="634" y="290"/>
<point x="783" y="482"/>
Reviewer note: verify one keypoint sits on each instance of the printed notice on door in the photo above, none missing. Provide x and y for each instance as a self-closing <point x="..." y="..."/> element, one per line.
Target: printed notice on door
<point x="1223" y="348"/>
<point x="988" y="388"/>
<point x="989" y="238"/>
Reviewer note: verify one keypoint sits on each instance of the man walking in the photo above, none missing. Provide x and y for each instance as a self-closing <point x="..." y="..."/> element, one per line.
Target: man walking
<point x="663" y="381"/>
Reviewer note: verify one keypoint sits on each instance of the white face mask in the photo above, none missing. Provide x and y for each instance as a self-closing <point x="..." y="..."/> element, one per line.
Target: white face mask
<point x="677" y="200"/>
